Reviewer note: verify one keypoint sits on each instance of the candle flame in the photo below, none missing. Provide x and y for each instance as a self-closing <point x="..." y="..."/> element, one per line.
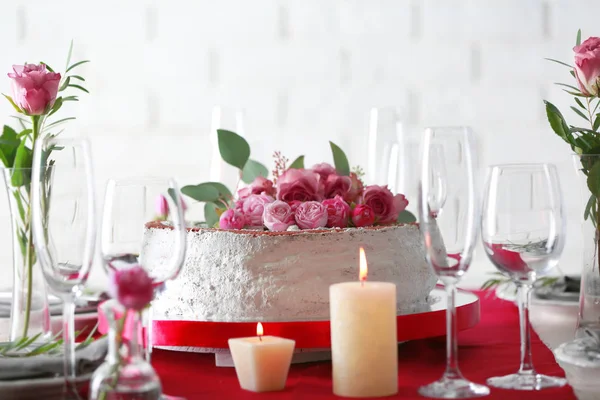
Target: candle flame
<point x="259" y="330"/>
<point x="362" y="275"/>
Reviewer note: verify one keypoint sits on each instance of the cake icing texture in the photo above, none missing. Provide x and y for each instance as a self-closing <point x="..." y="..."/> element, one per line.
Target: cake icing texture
<point x="247" y="275"/>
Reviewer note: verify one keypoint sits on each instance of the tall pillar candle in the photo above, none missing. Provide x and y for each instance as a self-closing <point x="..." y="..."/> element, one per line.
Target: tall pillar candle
<point x="364" y="346"/>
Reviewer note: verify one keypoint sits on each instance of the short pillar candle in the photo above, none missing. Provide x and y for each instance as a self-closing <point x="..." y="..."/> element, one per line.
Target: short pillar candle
<point x="262" y="362"/>
<point x="364" y="345"/>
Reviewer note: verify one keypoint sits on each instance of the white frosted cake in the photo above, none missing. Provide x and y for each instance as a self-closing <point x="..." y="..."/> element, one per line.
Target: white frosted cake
<point x="249" y="275"/>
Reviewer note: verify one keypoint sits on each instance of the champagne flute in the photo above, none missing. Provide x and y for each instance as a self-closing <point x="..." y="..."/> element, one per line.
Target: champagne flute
<point x="128" y="218"/>
<point x="523" y="233"/>
<point x="64" y="228"/>
<point x="448" y="222"/>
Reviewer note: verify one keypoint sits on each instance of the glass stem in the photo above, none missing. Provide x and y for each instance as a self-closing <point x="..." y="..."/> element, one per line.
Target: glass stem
<point x="452" y="370"/>
<point x="69" y="343"/>
<point x="148" y="333"/>
<point x="525" y="331"/>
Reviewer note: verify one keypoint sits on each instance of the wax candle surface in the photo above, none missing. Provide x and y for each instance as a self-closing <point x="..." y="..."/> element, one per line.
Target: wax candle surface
<point x="364" y="346"/>
<point x="262" y="365"/>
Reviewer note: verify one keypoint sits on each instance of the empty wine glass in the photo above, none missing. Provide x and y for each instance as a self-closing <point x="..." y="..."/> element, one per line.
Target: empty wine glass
<point x="523" y="228"/>
<point x="129" y="219"/>
<point x="64" y="228"/>
<point x="230" y="119"/>
<point x="448" y="221"/>
<point x="383" y="149"/>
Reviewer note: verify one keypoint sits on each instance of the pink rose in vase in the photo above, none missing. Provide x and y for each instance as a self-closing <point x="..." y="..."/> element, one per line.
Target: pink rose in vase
<point x="259" y="186"/>
<point x="338" y="212"/>
<point x="34" y="88"/>
<point x="298" y="184"/>
<point x="384" y="204"/>
<point x="278" y="216"/>
<point x="337" y="185"/>
<point x="363" y="215"/>
<point x="132" y="287"/>
<point x="232" y="219"/>
<point x="311" y="215"/>
<point x="162" y="207"/>
<point x="587" y="66"/>
<point x="253" y="208"/>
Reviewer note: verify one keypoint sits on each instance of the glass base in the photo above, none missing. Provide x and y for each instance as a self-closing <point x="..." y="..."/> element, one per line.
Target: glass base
<point x="458" y="388"/>
<point x="526" y="381"/>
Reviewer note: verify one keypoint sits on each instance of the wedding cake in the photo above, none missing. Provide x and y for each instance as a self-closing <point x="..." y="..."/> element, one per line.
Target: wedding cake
<point x="270" y="251"/>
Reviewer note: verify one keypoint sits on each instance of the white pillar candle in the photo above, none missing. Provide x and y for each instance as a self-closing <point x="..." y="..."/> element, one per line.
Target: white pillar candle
<point x="364" y="346"/>
<point x="261" y="362"/>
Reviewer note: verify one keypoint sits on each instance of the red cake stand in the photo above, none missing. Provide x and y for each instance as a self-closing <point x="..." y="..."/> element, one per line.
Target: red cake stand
<point x="209" y="336"/>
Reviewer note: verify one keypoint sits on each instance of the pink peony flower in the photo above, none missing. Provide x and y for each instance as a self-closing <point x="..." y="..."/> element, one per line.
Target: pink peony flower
<point x="162" y="207"/>
<point x="34" y="89"/>
<point x="311" y="215"/>
<point x="355" y="191"/>
<point x="385" y="206"/>
<point x="278" y="216"/>
<point x="337" y="185"/>
<point x="260" y="185"/>
<point x="298" y="184"/>
<point x="253" y="208"/>
<point x="324" y="170"/>
<point x="232" y="219"/>
<point x="132" y="287"/>
<point x="587" y="66"/>
<point x="338" y="212"/>
<point x="363" y="215"/>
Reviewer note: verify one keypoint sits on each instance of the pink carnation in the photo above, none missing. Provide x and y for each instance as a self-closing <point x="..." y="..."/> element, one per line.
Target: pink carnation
<point x="260" y="185"/>
<point x="34" y="88"/>
<point x="298" y="184"/>
<point x="338" y="212"/>
<point x="363" y="215"/>
<point x="253" y="208"/>
<point x="278" y="216"/>
<point x="311" y="215"/>
<point x="384" y="204"/>
<point x="232" y="219"/>
<point x="132" y="287"/>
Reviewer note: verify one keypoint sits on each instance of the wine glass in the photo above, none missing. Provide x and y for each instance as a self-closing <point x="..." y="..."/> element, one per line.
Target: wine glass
<point x="383" y="149"/>
<point x="230" y="119"/>
<point x="129" y="219"/>
<point x="448" y="222"/>
<point x="523" y="233"/>
<point x="64" y="228"/>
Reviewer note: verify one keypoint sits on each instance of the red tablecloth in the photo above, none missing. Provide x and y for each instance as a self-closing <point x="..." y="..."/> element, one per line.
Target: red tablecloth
<point x="490" y="349"/>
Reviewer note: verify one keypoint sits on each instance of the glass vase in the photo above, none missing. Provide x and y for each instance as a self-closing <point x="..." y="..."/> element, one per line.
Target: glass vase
<point x="589" y="295"/>
<point x="30" y="313"/>
<point x="125" y="374"/>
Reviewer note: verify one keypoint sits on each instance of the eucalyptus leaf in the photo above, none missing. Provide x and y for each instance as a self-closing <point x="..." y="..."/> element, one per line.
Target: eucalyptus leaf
<point x="252" y="170"/>
<point x="204" y="192"/>
<point x="406" y="217"/>
<point x="557" y="122"/>
<point x="210" y="215"/>
<point x="224" y="192"/>
<point x="9" y="143"/>
<point x="234" y="149"/>
<point x="298" y="163"/>
<point x="593" y="179"/>
<point x="340" y="160"/>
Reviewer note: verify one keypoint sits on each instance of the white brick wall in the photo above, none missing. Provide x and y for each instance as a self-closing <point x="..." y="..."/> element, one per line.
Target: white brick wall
<point x="303" y="72"/>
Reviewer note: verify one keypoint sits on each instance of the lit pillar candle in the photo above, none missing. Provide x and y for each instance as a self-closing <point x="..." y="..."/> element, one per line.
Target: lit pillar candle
<point x="364" y="346"/>
<point x="262" y="362"/>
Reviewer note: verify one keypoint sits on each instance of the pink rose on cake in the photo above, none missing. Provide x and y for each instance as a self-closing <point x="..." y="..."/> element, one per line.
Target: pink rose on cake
<point x="336" y="185"/>
<point x="324" y="170"/>
<point x="278" y="216"/>
<point x="260" y="185"/>
<point x="253" y="208"/>
<point x="294" y="205"/>
<point x="356" y="189"/>
<point x="338" y="212"/>
<point x="298" y="184"/>
<point x="311" y="215"/>
<point x="384" y="204"/>
<point x="232" y="219"/>
<point x="363" y="215"/>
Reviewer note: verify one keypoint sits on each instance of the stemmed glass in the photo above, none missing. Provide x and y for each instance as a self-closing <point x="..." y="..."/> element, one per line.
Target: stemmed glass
<point x="448" y="222"/>
<point x="231" y="119"/>
<point x="64" y="228"/>
<point x="129" y="220"/>
<point x="523" y="228"/>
